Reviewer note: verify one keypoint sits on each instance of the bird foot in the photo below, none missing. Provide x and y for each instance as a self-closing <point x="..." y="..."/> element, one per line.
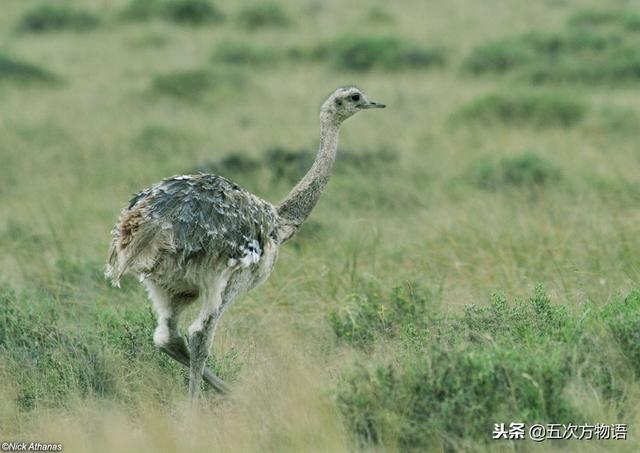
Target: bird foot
<point x="177" y="350"/>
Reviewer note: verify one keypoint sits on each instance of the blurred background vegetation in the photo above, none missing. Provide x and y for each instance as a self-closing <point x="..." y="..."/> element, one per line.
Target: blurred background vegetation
<point x="409" y="312"/>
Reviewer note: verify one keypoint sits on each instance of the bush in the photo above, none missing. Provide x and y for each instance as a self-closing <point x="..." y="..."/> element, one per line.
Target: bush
<point x="194" y="84"/>
<point x="261" y="15"/>
<point x="286" y="165"/>
<point x="23" y="72"/>
<point x="622" y="316"/>
<point x="47" y="363"/>
<point x="373" y="314"/>
<point x="363" y="53"/>
<point x="524" y="170"/>
<point x="451" y="378"/>
<point x="49" y="17"/>
<point x="619" y="66"/>
<point x="194" y="12"/>
<point x="535" y="48"/>
<point x="629" y="20"/>
<point x="231" y="164"/>
<point x="240" y="52"/>
<point x="53" y="361"/>
<point x="582" y="54"/>
<point x="379" y="16"/>
<point x="161" y="141"/>
<point x="499" y="56"/>
<point x="538" y="109"/>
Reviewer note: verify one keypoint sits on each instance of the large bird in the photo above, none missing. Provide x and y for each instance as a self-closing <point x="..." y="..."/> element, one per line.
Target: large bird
<point x="202" y="238"/>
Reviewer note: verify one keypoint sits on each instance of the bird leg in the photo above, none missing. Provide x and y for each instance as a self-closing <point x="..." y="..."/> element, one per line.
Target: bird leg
<point x="200" y="340"/>
<point x="202" y="330"/>
<point x="177" y="349"/>
<point x="167" y="336"/>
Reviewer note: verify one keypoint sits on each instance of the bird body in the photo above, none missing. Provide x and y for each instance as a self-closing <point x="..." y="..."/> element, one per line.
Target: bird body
<point x="188" y="222"/>
<point x="203" y="238"/>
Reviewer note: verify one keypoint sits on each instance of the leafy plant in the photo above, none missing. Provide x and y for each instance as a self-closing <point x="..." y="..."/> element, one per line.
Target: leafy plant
<point x="363" y="53"/>
<point x="49" y="17"/>
<point x="536" y="47"/>
<point x="452" y="377"/>
<point x="243" y="52"/>
<point x="264" y="14"/>
<point x="194" y="84"/>
<point x="622" y="316"/>
<point x="190" y="12"/>
<point x="538" y="109"/>
<point x="526" y="169"/>
<point x="19" y="71"/>
<point x="602" y="17"/>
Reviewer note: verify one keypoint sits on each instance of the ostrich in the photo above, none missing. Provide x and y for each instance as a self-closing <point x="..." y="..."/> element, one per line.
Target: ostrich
<point x="203" y="238"/>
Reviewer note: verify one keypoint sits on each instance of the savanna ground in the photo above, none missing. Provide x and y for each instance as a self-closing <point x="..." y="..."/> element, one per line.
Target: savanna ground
<point x="473" y="260"/>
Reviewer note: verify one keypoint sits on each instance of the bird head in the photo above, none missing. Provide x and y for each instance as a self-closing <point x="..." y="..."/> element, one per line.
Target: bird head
<point x="345" y="102"/>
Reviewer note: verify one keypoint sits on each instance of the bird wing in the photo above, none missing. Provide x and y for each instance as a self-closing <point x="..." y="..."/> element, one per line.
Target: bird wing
<point x="203" y="214"/>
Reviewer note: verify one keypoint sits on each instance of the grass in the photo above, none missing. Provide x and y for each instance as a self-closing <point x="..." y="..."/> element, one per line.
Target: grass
<point x="506" y="54"/>
<point x="187" y="12"/>
<point x="364" y="53"/>
<point x="454" y="375"/>
<point x="621" y="66"/>
<point x="263" y="15"/>
<point x="244" y="53"/>
<point x="584" y="52"/>
<point x="536" y="109"/>
<point x="21" y="72"/>
<point x="525" y="170"/>
<point x="405" y="315"/>
<point x="195" y="84"/>
<point x="50" y="18"/>
<point x="627" y="19"/>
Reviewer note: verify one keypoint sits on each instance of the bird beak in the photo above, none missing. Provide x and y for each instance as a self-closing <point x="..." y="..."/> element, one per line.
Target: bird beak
<point x="372" y="105"/>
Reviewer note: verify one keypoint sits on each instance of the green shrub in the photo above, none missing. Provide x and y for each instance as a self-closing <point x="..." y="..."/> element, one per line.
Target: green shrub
<point x="453" y="377"/>
<point x="286" y="165"/>
<point x="194" y="84"/>
<point x="600" y="17"/>
<point x="143" y="9"/>
<point x="524" y="170"/>
<point x="374" y="314"/>
<point x="243" y="52"/>
<point x="47" y="363"/>
<point x="619" y="121"/>
<point x="230" y="165"/>
<point x="622" y="316"/>
<point x="261" y="15"/>
<point x="582" y="54"/>
<point x="619" y="66"/>
<point x="53" y="361"/>
<point x="193" y="12"/>
<point x="538" y="109"/>
<point x="50" y="17"/>
<point x="535" y="47"/>
<point x="162" y="141"/>
<point x="379" y="16"/>
<point x="363" y="53"/>
<point x="499" y="56"/>
<point x="22" y="72"/>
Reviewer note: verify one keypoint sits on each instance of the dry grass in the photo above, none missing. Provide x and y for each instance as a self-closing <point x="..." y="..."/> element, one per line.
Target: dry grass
<point x="72" y="154"/>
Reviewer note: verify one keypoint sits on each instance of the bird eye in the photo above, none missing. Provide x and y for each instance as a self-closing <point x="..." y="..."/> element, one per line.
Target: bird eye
<point x="355" y="97"/>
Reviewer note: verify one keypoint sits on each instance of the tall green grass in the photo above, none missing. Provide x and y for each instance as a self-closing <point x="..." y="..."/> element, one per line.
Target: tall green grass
<point x="473" y="181"/>
<point x="49" y="17"/>
<point x="452" y="377"/>
<point x="21" y="72"/>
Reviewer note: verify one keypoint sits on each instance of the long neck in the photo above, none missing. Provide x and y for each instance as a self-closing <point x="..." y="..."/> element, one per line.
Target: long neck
<point x="297" y="206"/>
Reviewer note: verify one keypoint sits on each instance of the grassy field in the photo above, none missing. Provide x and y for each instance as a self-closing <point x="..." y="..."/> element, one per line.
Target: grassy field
<point x="473" y="261"/>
